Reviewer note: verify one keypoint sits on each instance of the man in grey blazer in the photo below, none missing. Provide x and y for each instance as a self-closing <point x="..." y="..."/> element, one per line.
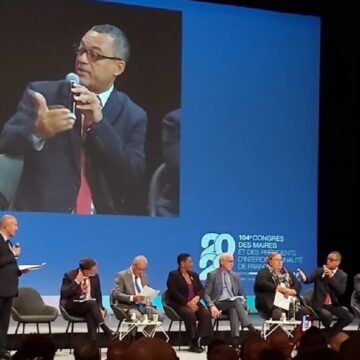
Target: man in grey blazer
<point x="128" y="286"/>
<point x="224" y="294"/>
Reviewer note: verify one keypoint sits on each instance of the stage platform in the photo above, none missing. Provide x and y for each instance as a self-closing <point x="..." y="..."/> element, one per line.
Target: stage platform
<point x="64" y="341"/>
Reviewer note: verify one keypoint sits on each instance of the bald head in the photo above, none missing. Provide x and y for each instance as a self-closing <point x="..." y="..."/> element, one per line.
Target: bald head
<point x="151" y="349"/>
<point x="8" y="225"/>
<point x="223" y="352"/>
<point x="226" y="261"/>
<point x="139" y="265"/>
<point x="117" y="350"/>
<point x="336" y="341"/>
<point x="140" y="259"/>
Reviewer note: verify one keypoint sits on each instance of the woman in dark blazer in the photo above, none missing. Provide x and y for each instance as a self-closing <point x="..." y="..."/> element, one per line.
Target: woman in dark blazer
<point x="275" y="277"/>
<point x="185" y="292"/>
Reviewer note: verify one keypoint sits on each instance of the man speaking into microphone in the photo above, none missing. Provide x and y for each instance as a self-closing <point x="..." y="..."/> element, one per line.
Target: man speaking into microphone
<point x="90" y="161"/>
<point x="9" y="277"/>
<point x="330" y="284"/>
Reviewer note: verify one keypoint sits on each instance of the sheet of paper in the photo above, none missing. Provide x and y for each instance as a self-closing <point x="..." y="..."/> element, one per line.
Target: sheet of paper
<point x="149" y="292"/>
<point x="84" y="300"/>
<point x="234" y="298"/>
<point x="281" y="301"/>
<point x="31" y="267"/>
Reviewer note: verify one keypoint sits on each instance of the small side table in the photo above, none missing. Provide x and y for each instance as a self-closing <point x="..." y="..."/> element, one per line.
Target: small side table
<point x="127" y="326"/>
<point x="288" y="326"/>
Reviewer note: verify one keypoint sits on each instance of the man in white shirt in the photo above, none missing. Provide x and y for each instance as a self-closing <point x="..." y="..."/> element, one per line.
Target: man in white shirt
<point x="9" y="274"/>
<point x="128" y="286"/>
<point x="95" y="156"/>
<point x="329" y="285"/>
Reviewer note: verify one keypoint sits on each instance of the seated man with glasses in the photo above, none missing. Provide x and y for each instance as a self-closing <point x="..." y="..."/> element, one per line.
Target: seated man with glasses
<point x="81" y="295"/>
<point x="224" y="293"/>
<point x="83" y="145"/>
<point x="330" y="284"/>
<point x="129" y="284"/>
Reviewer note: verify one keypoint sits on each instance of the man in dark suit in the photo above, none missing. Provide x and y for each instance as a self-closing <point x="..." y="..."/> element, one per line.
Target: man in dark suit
<point x="330" y="284"/>
<point x="9" y="277"/>
<point x="168" y="202"/>
<point x="128" y="286"/>
<point x="90" y="161"/>
<point x="80" y="295"/>
<point x="355" y="299"/>
<point x="224" y="293"/>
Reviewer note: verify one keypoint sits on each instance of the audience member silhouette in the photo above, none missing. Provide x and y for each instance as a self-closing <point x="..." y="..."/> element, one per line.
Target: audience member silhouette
<point x="151" y="349"/>
<point x="34" y="346"/>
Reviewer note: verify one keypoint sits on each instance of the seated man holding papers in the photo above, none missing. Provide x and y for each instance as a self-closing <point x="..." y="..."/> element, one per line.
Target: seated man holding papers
<point x="131" y="291"/>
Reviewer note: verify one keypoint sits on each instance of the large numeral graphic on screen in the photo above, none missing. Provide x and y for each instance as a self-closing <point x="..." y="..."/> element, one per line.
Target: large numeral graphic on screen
<point x="214" y="245"/>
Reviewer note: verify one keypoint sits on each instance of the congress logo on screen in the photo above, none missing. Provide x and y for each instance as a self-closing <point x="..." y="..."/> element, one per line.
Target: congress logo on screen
<point x="213" y="245"/>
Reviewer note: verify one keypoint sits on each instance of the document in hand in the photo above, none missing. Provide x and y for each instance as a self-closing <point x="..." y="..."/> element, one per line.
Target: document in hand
<point x="242" y="298"/>
<point x="149" y="292"/>
<point x="32" y="267"/>
<point x="281" y="301"/>
<point x="84" y="300"/>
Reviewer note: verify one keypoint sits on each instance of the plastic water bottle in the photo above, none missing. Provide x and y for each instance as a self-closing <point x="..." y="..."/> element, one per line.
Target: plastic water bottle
<point x="306" y="322"/>
<point x="148" y="308"/>
<point x="292" y="310"/>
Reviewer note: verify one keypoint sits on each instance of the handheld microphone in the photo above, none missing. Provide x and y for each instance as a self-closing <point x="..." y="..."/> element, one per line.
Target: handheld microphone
<point x="17" y="245"/>
<point x="323" y="274"/>
<point x="73" y="79"/>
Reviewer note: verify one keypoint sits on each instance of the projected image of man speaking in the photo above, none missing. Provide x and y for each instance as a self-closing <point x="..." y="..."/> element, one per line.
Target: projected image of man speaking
<point x="89" y="159"/>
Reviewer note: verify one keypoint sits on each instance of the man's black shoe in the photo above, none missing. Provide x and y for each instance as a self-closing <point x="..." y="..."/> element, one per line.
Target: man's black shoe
<point x="196" y="349"/>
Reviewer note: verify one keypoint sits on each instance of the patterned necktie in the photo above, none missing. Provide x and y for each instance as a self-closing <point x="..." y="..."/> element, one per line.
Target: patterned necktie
<point x="83" y="201"/>
<point x="137" y="285"/>
<point x="84" y="197"/>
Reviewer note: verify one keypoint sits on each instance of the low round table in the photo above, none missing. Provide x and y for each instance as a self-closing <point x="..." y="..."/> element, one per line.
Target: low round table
<point x="127" y="326"/>
<point x="288" y="326"/>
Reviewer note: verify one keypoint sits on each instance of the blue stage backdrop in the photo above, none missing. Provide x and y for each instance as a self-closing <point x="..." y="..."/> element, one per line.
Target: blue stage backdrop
<point x="249" y="158"/>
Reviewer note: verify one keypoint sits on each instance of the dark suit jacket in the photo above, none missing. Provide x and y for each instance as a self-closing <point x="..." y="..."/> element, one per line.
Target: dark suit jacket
<point x="51" y="177"/>
<point x="178" y="289"/>
<point x="335" y="286"/>
<point x="265" y="290"/>
<point x="9" y="271"/>
<point x="125" y="288"/>
<point x="355" y="298"/>
<point x="71" y="291"/>
<point x="168" y="202"/>
<point x="214" y="286"/>
<point x="357" y="285"/>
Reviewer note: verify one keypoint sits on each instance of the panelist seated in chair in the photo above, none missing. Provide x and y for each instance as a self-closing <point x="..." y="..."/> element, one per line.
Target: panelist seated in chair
<point x="355" y="299"/>
<point x="224" y="294"/>
<point x="185" y="292"/>
<point x="128" y="285"/>
<point x="81" y="296"/>
<point x="330" y="284"/>
<point x="276" y="278"/>
<point x="168" y="202"/>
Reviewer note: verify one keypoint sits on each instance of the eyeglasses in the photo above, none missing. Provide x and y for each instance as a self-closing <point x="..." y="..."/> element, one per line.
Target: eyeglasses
<point x="140" y="268"/>
<point x="332" y="259"/>
<point x="93" y="55"/>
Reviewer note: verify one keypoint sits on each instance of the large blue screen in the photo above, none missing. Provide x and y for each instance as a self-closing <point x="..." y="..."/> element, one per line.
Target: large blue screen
<point x="249" y="157"/>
